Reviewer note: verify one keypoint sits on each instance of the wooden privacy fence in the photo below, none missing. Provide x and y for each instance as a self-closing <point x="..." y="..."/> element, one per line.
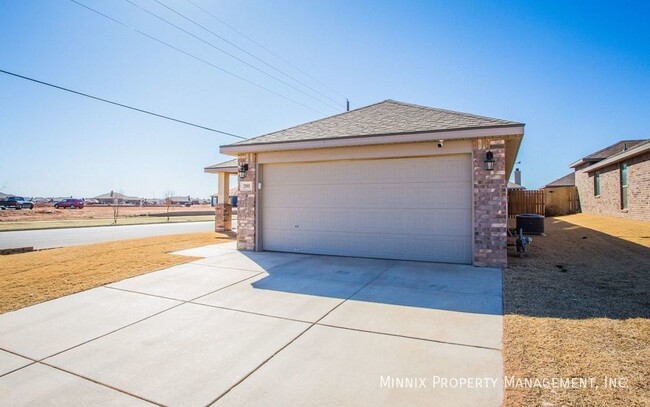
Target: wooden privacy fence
<point x="561" y="201"/>
<point x="526" y="201"/>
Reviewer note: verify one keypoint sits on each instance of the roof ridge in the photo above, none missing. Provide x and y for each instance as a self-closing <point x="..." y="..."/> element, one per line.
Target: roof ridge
<point x="612" y="145"/>
<point x="494" y="121"/>
<point x="640" y="143"/>
<point x="314" y="121"/>
<point x="456" y="112"/>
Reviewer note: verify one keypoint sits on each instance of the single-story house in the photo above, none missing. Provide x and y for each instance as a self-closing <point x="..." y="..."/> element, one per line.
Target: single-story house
<point x="179" y="200"/>
<point x="112" y="197"/>
<point x="514" y="186"/>
<point x="390" y="180"/>
<point x="561" y="196"/>
<point x="153" y="201"/>
<point x="616" y="180"/>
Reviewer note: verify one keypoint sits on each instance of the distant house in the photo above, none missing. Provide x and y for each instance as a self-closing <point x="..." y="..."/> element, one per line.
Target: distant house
<point x="214" y="198"/>
<point x="561" y="196"/>
<point x="118" y="198"/>
<point x="153" y="201"/>
<point x="180" y="200"/>
<point x="3" y="195"/>
<point x="515" y="187"/>
<point x="616" y="180"/>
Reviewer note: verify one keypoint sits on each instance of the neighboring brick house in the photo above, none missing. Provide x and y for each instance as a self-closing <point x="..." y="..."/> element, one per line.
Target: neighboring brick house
<point x="616" y="180"/>
<point x="390" y="180"/>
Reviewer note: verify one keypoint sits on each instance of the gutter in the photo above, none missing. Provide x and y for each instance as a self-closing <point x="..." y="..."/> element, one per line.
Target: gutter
<point x="393" y="138"/>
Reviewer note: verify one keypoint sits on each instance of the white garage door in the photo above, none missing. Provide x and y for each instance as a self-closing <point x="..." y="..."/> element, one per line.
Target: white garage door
<point x="412" y="208"/>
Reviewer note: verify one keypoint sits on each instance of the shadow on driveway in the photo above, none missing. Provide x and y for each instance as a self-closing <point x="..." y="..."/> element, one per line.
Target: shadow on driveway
<point x="449" y="287"/>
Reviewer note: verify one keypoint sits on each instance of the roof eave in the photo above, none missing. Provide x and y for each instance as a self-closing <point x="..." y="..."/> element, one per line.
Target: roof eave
<point x="619" y="157"/>
<point x="232" y="170"/>
<point x="391" y="138"/>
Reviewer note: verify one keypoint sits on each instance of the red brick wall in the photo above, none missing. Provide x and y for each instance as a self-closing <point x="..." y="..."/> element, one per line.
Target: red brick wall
<point x="490" y="205"/>
<point x="222" y="217"/>
<point x="609" y="201"/>
<point x="246" y="202"/>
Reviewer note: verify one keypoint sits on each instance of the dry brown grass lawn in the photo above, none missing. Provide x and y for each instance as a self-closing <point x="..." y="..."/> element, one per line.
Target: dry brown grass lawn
<point x="579" y="306"/>
<point x="30" y="278"/>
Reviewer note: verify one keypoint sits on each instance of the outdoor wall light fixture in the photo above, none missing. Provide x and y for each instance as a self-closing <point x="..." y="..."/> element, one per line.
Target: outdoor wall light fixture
<point x="489" y="161"/>
<point x="243" y="169"/>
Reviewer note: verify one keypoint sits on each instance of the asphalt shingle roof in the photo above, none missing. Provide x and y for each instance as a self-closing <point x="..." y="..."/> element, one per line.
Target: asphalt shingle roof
<point x="611" y="150"/>
<point x="568" y="180"/>
<point x="387" y="117"/>
<point x="225" y="164"/>
<point x="512" y="185"/>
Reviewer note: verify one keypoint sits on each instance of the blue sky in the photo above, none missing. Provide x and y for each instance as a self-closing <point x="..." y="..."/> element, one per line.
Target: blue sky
<point x="577" y="73"/>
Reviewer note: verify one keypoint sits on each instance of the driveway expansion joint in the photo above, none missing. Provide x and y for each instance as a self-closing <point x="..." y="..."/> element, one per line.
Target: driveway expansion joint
<point x="101" y="384"/>
<point x="213" y="402"/>
<point x="410" y="337"/>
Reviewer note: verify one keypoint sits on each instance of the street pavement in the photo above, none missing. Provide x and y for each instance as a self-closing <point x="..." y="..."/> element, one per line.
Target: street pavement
<point x="48" y="238"/>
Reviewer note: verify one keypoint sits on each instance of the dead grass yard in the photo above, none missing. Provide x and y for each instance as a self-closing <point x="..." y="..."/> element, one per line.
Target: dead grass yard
<point x="579" y="306"/>
<point x="31" y="278"/>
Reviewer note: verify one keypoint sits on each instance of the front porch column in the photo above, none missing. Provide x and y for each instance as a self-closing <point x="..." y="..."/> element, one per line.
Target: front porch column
<point x="223" y="208"/>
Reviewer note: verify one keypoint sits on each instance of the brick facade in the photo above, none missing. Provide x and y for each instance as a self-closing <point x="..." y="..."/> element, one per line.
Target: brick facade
<point x="246" y="205"/>
<point x="223" y="217"/>
<point x="489" y="199"/>
<point x="490" y="205"/>
<point x="609" y="200"/>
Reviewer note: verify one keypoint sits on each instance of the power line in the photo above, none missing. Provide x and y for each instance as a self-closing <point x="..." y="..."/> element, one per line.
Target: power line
<point x="194" y="56"/>
<point x="120" y="104"/>
<point x="248" y="53"/>
<point x="265" y="48"/>
<point x="151" y="13"/>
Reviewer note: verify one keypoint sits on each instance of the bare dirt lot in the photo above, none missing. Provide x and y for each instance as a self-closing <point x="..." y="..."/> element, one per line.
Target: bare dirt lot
<point x="30" y="278"/>
<point x="48" y="217"/>
<point x="579" y="307"/>
<point x="92" y="212"/>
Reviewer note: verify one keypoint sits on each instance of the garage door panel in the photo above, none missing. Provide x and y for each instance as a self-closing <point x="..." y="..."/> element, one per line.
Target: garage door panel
<point x="438" y="248"/>
<point x="411" y="195"/>
<point x="452" y="222"/>
<point x="414" y="209"/>
<point x="440" y="169"/>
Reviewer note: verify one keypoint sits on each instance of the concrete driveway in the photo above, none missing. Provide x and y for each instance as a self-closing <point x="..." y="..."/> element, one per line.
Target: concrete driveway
<point x="264" y="329"/>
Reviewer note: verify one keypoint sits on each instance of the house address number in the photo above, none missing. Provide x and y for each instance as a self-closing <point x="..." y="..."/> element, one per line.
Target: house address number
<point x="246" y="186"/>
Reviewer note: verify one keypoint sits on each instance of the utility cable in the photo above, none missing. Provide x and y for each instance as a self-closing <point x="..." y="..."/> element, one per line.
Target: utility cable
<point x="151" y="13"/>
<point x="120" y="104"/>
<point x="337" y="104"/>
<point x="194" y="57"/>
<point x="265" y="49"/>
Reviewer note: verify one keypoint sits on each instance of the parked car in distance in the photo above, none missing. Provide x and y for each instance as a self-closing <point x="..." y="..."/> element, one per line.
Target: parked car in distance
<point x="16" y="202"/>
<point x="71" y="203"/>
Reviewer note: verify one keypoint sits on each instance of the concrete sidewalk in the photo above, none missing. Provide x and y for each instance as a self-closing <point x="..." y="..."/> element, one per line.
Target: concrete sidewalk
<point x="263" y="329"/>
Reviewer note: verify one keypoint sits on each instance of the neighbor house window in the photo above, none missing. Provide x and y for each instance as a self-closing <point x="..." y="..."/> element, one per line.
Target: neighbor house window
<point x="597" y="183"/>
<point x="624" y="185"/>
